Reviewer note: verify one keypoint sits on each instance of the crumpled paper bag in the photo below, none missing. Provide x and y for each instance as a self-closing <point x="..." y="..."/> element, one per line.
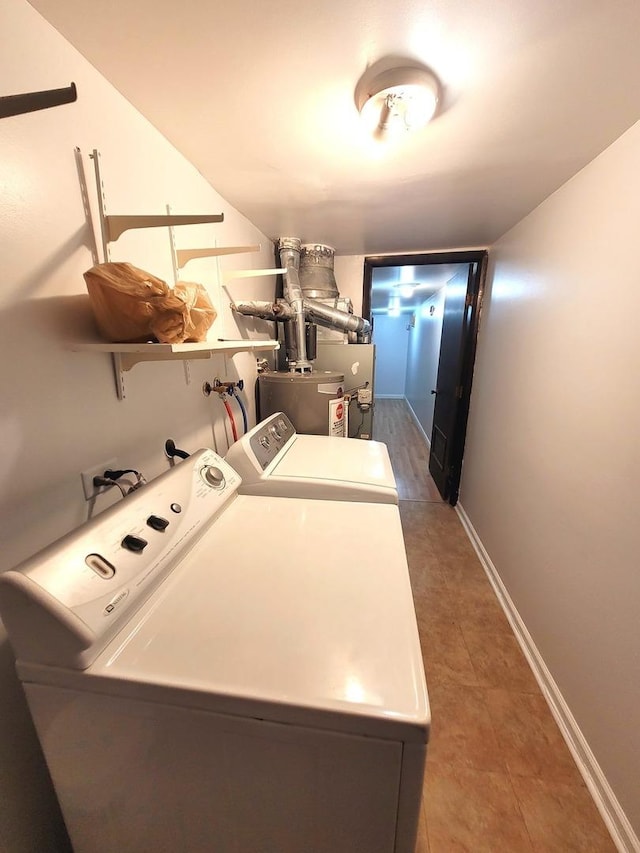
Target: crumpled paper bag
<point x="131" y="306"/>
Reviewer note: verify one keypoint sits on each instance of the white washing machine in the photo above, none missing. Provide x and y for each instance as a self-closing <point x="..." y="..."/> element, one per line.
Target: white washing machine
<point x="273" y="459"/>
<point x="206" y="674"/>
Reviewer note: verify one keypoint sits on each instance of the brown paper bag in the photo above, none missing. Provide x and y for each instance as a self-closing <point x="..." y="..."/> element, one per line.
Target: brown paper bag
<point x="201" y="311"/>
<point x="131" y="305"/>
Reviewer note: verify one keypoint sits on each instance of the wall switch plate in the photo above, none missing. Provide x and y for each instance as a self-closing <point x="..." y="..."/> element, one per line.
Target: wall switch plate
<point x="90" y="491"/>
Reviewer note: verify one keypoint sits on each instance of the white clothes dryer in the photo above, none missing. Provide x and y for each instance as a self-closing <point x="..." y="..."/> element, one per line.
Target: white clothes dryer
<point x="273" y="459"/>
<point x="206" y="673"/>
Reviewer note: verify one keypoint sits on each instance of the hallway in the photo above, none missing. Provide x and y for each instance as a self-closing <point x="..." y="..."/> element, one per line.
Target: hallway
<point x="408" y="450"/>
<point x="499" y="775"/>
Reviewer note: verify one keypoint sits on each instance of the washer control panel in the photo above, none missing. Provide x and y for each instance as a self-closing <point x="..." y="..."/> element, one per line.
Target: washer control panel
<point x="79" y="589"/>
<point x="266" y="441"/>
<point x="213" y="477"/>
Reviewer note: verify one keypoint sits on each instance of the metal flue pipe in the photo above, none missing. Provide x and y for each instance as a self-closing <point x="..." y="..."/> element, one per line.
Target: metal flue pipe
<point x="289" y="249"/>
<point x="334" y="318"/>
<point x="316" y="312"/>
<point x="299" y="303"/>
<point x="265" y="310"/>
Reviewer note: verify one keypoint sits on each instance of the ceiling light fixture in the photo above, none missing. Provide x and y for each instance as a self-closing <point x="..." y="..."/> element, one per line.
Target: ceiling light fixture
<point x="406" y="290"/>
<point x="402" y="97"/>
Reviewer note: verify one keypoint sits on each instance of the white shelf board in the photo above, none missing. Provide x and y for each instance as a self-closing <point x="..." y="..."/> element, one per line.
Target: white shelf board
<point x="126" y="356"/>
<point x="190" y="350"/>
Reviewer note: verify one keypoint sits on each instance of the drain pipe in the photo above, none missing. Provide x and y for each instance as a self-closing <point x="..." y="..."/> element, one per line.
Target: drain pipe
<point x="289" y="249"/>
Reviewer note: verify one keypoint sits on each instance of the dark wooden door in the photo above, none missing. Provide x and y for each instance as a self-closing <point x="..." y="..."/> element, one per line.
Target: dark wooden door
<point x="449" y="390"/>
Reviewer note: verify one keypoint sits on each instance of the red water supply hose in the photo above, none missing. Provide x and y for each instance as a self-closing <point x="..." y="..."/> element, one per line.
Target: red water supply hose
<point x="232" y="419"/>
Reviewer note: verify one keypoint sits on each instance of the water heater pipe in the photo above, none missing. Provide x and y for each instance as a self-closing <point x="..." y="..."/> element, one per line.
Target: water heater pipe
<point x="298" y="308"/>
<point x="265" y="310"/>
<point x="289" y="248"/>
<point x="314" y="311"/>
<point x="335" y="318"/>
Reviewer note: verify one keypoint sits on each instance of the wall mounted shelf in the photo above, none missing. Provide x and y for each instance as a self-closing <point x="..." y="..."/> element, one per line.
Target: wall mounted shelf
<point x="231" y="274"/>
<point x="113" y="226"/>
<point x="183" y="256"/>
<point x="126" y="356"/>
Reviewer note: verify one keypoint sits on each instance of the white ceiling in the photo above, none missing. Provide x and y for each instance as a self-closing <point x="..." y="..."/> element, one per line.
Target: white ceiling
<point x="259" y="97"/>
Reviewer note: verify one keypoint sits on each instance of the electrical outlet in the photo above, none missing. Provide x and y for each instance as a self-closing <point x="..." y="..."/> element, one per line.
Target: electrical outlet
<point x="90" y="491"/>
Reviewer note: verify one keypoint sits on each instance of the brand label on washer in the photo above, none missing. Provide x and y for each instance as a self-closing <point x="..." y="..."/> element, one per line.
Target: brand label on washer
<point x="115" y="602"/>
<point x="336" y="417"/>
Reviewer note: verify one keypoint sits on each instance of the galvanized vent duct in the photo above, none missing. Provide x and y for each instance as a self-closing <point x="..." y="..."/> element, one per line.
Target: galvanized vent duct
<point x="308" y="278"/>
<point x="317" y="278"/>
<point x="289" y="248"/>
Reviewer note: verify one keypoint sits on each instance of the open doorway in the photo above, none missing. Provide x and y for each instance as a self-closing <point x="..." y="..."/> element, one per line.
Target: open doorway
<point x="425" y="312"/>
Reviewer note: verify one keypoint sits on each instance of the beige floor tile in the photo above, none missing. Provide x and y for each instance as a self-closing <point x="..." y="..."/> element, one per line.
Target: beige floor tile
<point x="470" y="811"/>
<point x="460" y="570"/>
<point x="445" y="656"/>
<point x="561" y="817"/>
<point x="461" y="729"/>
<point x="436" y="607"/>
<point x="425" y="573"/>
<point x="498" y="661"/>
<point x="479" y="610"/>
<point x="450" y="542"/>
<point x="529" y="738"/>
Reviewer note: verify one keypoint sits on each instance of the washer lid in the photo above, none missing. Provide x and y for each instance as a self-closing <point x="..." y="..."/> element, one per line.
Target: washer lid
<point x="275" y="614"/>
<point x="323" y="457"/>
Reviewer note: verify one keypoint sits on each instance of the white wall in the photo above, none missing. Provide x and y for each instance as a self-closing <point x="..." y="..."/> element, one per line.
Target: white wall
<point x="552" y="462"/>
<point x="422" y="360"/>
<point x="391" y="338"/>
<point x="60" y="413"/>
<point x="349" y="270"/>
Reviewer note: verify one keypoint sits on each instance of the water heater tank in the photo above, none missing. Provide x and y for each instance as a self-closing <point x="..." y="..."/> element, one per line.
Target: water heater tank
<point x="314" y="403"/>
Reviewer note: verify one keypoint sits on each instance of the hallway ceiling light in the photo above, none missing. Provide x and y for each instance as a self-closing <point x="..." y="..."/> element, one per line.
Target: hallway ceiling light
<point x="406" y="290"/>
<point x="397" y="98"/>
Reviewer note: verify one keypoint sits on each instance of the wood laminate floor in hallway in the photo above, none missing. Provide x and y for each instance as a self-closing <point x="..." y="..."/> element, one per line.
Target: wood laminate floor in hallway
<point x="499" y="776"/>
<point x="408" y="450"/>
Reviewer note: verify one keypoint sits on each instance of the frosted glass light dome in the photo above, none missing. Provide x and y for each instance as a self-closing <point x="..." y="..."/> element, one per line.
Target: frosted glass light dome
<point x="402" y="98"/>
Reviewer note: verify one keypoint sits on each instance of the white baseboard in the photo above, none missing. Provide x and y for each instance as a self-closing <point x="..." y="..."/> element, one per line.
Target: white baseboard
<point x="389" y="396"/>
<point x="418" y="424"/>
<point x="621" y="831"/>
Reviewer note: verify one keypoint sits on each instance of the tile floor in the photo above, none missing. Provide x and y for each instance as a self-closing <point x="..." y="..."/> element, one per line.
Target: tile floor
<point x="499" y="776"/>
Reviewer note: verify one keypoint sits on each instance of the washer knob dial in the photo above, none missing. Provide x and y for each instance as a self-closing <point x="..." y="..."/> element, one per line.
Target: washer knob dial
<point x="213" y="477"/>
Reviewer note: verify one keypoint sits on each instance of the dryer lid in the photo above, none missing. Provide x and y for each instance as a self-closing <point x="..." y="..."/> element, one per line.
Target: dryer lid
<point x="322" y="457"/>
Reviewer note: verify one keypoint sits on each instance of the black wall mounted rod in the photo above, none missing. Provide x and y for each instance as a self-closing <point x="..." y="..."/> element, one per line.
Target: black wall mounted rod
<point x="13" y="105"/>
